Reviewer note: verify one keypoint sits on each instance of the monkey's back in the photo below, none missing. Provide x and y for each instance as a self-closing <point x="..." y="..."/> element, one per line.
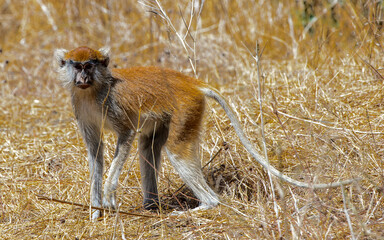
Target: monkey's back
<point x="157" y="90"/>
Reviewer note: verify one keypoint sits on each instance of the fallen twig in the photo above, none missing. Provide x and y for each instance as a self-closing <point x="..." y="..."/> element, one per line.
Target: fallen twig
<point x="85" y="206"/>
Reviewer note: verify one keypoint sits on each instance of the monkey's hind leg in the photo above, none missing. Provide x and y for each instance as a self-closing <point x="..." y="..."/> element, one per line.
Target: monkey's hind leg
<point x="189" y="169"/>
<point x="150" y="159"/>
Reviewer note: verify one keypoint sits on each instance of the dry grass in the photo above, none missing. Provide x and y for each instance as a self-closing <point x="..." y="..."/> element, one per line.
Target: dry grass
<point x="322" y="108"/>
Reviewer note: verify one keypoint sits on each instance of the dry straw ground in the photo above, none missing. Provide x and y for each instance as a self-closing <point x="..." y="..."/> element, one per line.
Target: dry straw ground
<point x="322" y="112"/>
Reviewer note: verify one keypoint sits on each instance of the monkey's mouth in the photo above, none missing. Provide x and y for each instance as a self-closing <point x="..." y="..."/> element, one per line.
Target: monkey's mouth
<point x="83" y="85"/>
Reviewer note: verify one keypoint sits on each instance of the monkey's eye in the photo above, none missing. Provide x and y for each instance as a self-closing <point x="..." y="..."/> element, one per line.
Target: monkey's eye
<point x="88" y="66"/>
<point x="78" y="66"/>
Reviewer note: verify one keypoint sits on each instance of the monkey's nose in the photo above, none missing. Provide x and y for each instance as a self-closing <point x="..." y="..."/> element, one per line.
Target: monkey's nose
<point x="83" y="83"/>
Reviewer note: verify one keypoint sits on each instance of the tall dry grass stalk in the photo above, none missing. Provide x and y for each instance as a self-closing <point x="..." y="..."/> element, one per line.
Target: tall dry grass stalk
<point x="321" y="83"/>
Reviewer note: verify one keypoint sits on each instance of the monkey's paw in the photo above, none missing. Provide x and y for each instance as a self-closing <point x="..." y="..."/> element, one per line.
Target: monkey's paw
<point x="95" y="215"/>
<point x="196" y="209"/>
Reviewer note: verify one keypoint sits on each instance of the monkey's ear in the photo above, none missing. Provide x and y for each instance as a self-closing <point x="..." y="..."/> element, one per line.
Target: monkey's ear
<point x="59" y="56"/>
<point x="105" y="51"/>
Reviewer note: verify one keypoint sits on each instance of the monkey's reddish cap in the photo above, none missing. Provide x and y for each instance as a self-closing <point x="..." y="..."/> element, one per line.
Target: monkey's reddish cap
<point x="81" y="54"/>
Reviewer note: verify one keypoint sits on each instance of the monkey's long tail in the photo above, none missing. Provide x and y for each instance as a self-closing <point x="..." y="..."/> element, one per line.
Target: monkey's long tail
<point x="213" y="93"/>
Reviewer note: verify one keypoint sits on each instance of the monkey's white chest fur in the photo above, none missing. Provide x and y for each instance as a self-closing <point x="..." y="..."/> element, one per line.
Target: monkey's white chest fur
<point x="89" y="112"/>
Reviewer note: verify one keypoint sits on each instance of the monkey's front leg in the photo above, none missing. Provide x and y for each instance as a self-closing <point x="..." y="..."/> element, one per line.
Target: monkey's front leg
<point x="95" y="148"/>
<point x="124" y="143"/>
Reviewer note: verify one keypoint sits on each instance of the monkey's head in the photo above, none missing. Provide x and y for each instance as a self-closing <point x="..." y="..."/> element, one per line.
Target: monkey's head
<point x="83" y="67"/>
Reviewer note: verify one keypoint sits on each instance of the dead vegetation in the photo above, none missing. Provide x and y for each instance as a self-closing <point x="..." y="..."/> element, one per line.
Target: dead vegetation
<point x="322" y="104"/>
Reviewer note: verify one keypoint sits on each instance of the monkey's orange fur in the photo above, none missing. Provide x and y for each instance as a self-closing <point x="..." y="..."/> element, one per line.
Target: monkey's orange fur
<point x="81" y="54"/>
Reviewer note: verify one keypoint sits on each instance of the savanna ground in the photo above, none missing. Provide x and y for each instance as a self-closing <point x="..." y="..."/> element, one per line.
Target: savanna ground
<point x="321" y="108"/>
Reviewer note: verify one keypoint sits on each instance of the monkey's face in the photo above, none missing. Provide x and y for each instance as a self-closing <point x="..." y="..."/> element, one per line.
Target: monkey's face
<point x="83" y="73"/>
<point x="82" y="67"/>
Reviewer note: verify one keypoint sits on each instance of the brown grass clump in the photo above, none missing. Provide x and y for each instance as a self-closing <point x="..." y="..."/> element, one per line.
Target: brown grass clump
<point x="322" y="102"/>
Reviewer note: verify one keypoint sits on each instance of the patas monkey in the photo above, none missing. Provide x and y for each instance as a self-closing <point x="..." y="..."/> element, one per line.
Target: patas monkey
<point x="165" y="106"/>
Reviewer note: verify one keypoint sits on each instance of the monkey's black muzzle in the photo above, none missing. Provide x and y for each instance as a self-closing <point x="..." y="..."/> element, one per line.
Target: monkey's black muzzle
<point x="83" y="80"/>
